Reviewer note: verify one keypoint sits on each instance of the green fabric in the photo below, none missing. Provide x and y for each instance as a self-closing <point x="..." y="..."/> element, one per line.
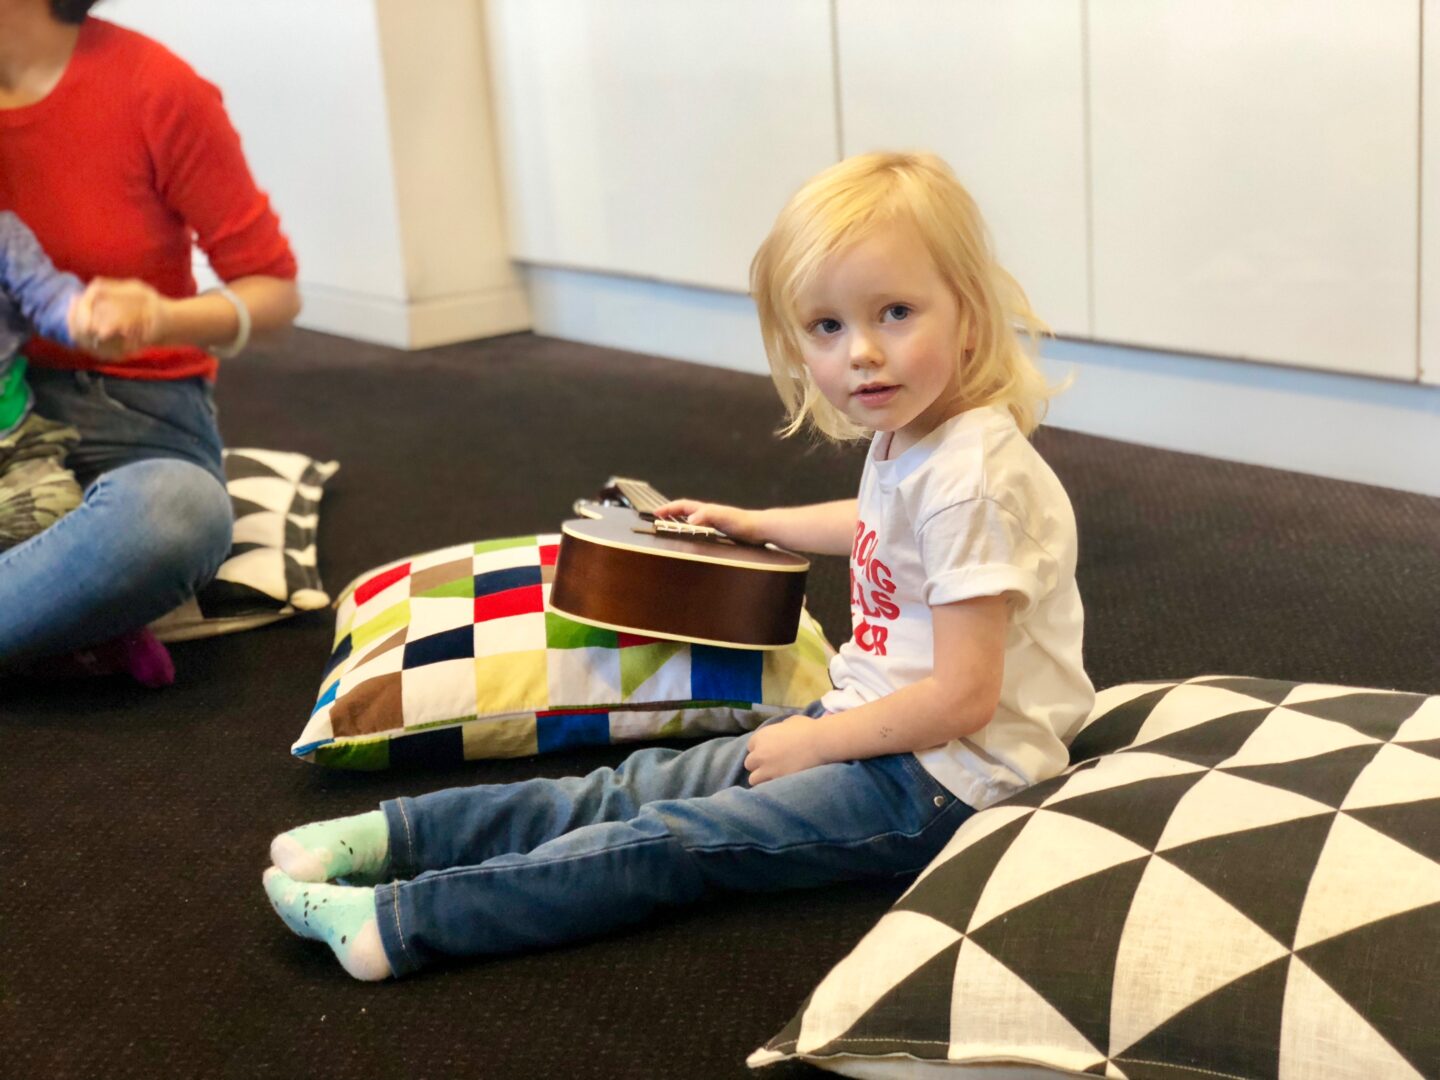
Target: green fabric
<point x="463" y="588"/>
<point x="14" y="393"/>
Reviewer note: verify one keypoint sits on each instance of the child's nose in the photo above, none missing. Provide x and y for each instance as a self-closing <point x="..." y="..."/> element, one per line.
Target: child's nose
<point x="864" y="351"/>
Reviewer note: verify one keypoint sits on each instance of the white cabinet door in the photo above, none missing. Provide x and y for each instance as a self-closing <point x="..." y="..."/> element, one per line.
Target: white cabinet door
<point x="1430" y="204"/>
<point x="1254" y="176"/>
<point x="659" y="137"/>
<point x="996" y="89"/>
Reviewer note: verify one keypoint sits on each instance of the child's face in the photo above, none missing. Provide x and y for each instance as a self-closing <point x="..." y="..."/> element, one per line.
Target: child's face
<point x="880" y="335"/>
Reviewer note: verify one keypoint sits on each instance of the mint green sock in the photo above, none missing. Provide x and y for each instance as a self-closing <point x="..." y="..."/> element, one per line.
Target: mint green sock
<point x="355" y="848"/>
<point x="342" y="916"/>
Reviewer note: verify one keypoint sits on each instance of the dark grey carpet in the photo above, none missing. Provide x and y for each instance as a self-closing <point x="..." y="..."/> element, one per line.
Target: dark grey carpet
<point x="134" y="825"/>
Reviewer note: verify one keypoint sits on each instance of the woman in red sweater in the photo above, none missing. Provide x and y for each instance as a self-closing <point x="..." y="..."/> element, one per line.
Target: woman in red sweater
<point x="120" y="158"/>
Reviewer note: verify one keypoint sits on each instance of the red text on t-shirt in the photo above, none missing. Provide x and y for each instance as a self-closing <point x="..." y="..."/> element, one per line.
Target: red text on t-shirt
<point x="872" y="592"/>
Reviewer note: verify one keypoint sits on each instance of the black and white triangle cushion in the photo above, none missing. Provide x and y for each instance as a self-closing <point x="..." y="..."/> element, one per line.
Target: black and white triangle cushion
<point x="1235" y="878"/>
<point x="271" y="571"/>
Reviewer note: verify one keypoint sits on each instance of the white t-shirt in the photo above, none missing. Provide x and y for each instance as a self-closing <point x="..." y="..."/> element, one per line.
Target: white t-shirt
<point x="970" y="510"/>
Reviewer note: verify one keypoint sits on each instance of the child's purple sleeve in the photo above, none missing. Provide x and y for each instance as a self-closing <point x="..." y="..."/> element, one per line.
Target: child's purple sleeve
<point x="30" y="281"/>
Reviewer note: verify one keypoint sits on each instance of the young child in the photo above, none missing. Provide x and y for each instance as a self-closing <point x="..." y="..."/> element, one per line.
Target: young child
<point x="883" y="311"/>
<point x="35" y="487"/>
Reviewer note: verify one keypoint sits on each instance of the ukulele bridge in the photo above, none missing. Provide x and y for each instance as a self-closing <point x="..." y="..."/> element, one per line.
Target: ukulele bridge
<point x="683" y="530"/>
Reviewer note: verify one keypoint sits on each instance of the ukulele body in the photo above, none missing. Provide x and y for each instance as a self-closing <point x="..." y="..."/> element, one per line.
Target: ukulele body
<point x="614" y="571"/>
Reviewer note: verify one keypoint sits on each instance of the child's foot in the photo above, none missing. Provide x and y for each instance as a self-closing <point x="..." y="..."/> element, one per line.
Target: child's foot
<point x="355" y="848"/>
<point x="139" y="654"/>
<point x="147" y="659"/>
<point x="341" y="916"/>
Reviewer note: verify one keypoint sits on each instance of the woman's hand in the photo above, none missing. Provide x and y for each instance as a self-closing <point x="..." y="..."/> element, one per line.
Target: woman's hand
<point x="790" y="746"/>
<point x="114" y="317"/>
<point x="743" y="525"/>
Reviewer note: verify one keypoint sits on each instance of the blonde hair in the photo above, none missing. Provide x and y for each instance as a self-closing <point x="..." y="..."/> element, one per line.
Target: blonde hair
<point x="842" y="205"/>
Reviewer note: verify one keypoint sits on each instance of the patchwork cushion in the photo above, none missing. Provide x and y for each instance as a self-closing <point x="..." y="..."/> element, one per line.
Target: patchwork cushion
<point x="1236" y="877"/>
<point x="455" y="655"/>
<point x="271" y="571"/>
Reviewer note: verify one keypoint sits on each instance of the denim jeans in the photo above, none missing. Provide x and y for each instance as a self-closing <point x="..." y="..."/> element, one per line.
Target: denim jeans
<point x="154" y="525"/>
<point x="506" y="867"/>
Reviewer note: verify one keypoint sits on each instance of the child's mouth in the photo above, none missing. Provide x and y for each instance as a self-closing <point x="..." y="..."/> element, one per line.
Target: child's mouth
<point x="875" y="395"/>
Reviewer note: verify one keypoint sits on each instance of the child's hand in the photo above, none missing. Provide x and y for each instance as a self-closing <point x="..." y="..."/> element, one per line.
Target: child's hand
<point x="738" y="524"/>
<point x="790" y="746"/>
<point x="114" y="318"/>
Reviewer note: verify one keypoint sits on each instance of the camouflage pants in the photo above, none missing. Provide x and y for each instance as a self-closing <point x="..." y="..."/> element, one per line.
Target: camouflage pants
<point x="36" y="489"/>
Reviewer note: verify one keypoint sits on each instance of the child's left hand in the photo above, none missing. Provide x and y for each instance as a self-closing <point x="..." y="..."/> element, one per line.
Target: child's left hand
<point x="114" y="317"/>
<point x="790" y="746"/>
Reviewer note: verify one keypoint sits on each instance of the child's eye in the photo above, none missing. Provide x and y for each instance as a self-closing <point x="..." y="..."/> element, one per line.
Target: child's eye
<point x="825" y="326"/>
<point x="898" y="311"/>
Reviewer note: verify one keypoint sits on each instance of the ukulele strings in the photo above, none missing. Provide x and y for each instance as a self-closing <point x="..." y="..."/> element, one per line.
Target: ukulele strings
<point x="641" y="495"/>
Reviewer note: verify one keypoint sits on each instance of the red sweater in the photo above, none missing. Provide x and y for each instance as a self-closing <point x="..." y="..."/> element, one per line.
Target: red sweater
<point x="129" y="160"/>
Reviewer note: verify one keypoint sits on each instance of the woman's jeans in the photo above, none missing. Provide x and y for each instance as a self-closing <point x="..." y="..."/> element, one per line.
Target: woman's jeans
<point x="153" y="528"/>
<point x="500" y="868"/>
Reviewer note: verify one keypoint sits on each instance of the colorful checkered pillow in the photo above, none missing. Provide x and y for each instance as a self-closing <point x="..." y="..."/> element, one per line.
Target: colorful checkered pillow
<point x="453" y="655"/>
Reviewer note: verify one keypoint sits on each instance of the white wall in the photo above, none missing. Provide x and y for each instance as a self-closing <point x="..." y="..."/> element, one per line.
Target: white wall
<point x="1010" y="120"/>
<point x="659" y="137"/>
<point x="1371" y="431"/>
<point x="368" y="123"/>
<point x="1196" y="176"/>
<point x="310" y="108"/>
<point x="631" y="180"/>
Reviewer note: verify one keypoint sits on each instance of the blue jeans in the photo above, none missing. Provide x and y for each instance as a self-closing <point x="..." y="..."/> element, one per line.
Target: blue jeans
<point x="505" y="867"/>
<point x="154" y="525"/>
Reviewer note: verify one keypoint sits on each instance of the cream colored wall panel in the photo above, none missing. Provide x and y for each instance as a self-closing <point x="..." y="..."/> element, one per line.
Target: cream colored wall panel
<point x="1254" y="179"/>
<point x="447" y="176"/>
<point x="997" y="90"/>
<point x="658" y="138"/>
<point x="1430" y="204"/>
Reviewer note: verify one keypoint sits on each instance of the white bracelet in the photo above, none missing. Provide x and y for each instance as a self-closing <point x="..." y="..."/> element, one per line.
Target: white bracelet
<point x="242" y="335"/>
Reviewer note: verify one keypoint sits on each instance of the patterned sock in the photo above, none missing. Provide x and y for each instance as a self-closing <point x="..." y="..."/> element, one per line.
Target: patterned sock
<point x="355" y="848"/>
<point x="341" y="916"/>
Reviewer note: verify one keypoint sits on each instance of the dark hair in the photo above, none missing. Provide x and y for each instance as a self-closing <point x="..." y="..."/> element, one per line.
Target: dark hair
<point x="71" y="11"/>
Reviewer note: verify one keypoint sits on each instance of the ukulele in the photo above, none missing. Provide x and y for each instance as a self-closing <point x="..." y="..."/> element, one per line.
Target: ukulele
<point x="622" y="568"/>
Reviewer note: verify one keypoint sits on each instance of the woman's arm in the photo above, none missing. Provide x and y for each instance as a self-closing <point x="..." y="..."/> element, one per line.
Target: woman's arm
<point x="821" y="528"/>
<point x="957" y="699"/>
<point x="114" y="317"/>
<point x="210" y="319"/>
<point x="201" y="176"/>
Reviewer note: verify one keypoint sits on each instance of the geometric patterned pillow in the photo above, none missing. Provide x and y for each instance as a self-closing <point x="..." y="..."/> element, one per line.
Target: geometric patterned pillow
<point x="454" y="655"/>
<point x="1236" y="877"/>
<point x="271" y="571"/>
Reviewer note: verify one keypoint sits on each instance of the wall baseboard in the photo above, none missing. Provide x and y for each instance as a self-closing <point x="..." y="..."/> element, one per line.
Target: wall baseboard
<point x="417" y="324"/>
<point x="1366" y="430"/>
